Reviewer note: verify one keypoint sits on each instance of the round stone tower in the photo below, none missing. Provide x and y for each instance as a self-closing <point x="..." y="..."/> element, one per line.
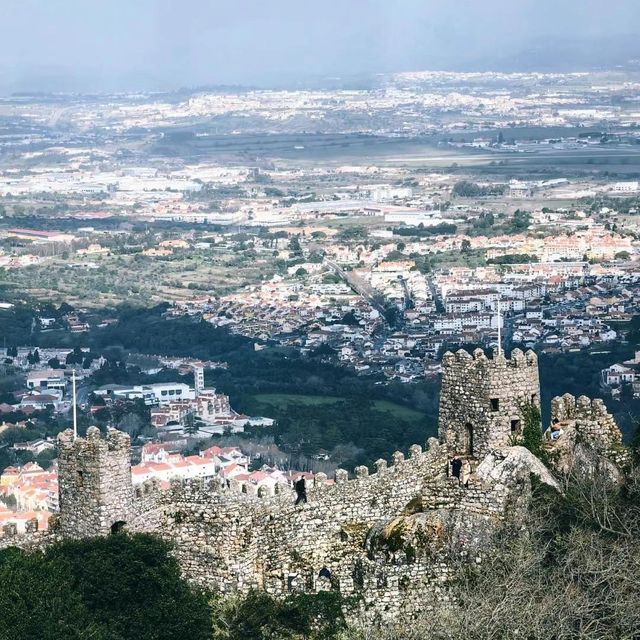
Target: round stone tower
<point x="483" y="400"/>
<point x="94" y="479"/>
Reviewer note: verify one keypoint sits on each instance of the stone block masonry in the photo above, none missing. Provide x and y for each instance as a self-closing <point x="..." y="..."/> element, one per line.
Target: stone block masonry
<point x="232" y="541"/>
<point x="482" y="401"/>
<point x="390" y="538"/>
<point x="586" y="422"/>
<point x="94" y="479"/>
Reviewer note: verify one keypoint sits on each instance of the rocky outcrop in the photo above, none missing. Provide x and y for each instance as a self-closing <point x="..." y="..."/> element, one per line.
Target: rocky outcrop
<point x="513" y="465"/>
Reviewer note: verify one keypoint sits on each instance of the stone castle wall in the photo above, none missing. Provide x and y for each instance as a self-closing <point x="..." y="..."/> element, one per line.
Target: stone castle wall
<point x="392" y="538"/>
<point x="94" y="479"/>
<point x="229" y="541"/>
<point x="32" y="539"/>
<point x="591" y="418"/>
<point x="482" y="400"/>
<point x="586" y="422"/>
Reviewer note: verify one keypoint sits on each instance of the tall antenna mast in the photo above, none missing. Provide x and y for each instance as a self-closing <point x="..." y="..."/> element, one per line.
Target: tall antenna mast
<point x="499" y="328"/>
<point x="75" y="417"/>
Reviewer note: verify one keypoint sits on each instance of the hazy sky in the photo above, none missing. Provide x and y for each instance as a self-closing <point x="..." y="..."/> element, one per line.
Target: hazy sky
<point x="106" y="44"/>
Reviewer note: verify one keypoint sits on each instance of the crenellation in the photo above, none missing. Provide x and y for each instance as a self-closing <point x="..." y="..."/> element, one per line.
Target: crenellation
<point x="463" y="356"/>
<point x="381" y="466"/>
<point x="598" y="407"/>
<point x="31" y="526"/>
<point x="282" y="488"/>
<point x="361" y="471"/>
<point x="583" y="406"/>
<point x="386" y="536"/>
<point x="483" y="401"/>
<point x="479" y="354"/>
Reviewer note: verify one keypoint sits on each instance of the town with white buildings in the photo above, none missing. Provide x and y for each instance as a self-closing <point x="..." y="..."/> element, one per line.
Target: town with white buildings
<point x="367" y="229"/>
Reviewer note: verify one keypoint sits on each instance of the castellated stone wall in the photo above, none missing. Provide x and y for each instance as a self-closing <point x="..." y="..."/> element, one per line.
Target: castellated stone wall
<point x="389" y="537"/>
<point x="94" y="479"/>
<point x="585" y="423"/>
<point x="482" y="399"/>
<point x="229" y="541"/>
<point x="591" y="418"/>
<point x="392" y="538"/>
<point x="32" y="539"/>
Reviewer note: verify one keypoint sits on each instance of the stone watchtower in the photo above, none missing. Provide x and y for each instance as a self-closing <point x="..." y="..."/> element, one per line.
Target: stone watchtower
<point x="482" y="400"/>
<point x="94" y="478"/>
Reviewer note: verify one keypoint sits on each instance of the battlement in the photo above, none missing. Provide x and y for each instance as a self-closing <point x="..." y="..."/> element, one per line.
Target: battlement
<point x="483" y="399"/>
<point x="568" y="407"/>
<point x="401" y="470"/>
<point x="479" y="358"/>
<point x="586" y="421"/>
<point x="94" y="478"/>
<point x="94" y="444"/>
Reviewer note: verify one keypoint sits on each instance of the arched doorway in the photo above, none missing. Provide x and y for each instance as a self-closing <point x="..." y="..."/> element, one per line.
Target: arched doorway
<point x="118" y="526"/>
<point x="468" y="439"/>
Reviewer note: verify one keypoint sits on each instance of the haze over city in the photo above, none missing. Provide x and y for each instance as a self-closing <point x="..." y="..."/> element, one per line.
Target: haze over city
<point x="69" y="45"/>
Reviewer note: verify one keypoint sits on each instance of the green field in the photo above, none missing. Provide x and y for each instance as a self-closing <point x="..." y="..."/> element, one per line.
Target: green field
<point x="281" y="400"/>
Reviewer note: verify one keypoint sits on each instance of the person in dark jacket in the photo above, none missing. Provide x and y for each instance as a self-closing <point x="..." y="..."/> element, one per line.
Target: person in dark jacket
<point x="301" y="490"/>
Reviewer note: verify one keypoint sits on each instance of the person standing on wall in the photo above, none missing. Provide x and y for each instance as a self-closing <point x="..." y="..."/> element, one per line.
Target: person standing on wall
<point x="301" y="490"/>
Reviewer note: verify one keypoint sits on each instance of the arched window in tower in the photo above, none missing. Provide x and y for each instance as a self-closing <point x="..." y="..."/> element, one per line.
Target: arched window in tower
<point x="118" y="526"/>
<point x="468" y="439"/>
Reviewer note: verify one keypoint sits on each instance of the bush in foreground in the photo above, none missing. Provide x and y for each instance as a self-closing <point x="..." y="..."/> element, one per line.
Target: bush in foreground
<point x="261" y="617"/>
<point x="116" y="588"/>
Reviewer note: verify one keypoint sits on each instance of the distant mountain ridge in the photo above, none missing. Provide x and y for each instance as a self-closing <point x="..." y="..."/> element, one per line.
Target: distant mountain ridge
<point x="567" y="54"/>
<point x="550" y="54"/>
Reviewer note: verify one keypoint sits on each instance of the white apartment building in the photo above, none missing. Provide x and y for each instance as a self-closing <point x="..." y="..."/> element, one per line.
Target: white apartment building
<point x="617" y="374"/>
<point x="626" y="187"/>
<point x="463" y="305"/>
<point x="167" y="392"/>
<point x="160" y="393"/>
<point x="47" y="379"/>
